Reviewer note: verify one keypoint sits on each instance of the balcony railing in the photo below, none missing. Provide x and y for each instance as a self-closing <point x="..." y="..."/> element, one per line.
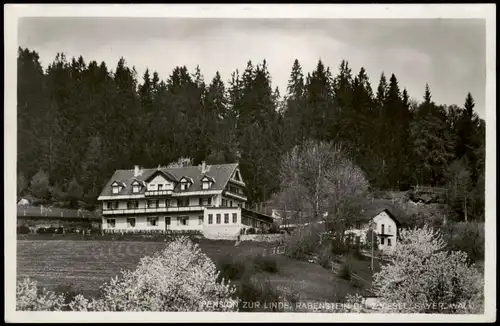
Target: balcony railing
<point x="158" y="193"/>
<point x="235" y="195"/>
<point x="153" y="210"/>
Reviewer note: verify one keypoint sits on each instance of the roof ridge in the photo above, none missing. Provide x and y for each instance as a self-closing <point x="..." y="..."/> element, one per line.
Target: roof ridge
<point x="178" y="167"/>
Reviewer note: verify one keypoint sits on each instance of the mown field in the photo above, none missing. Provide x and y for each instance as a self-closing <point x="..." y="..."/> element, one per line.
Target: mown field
<point x="83" y="266"/>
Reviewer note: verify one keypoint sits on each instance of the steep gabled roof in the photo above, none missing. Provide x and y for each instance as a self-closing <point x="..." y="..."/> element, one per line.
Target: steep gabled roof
<point x="221" y="174"/>
<point x="139" y="182"/>
<point x="118" y="183"/>
<point x="209" y="178"/>
<point x="391" y="216"/>
<point x="167" y="174"/>
<point x="188" y="179"/>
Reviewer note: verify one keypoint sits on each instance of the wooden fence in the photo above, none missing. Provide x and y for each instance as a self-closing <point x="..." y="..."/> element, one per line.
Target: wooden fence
<point x="43" y="211"/>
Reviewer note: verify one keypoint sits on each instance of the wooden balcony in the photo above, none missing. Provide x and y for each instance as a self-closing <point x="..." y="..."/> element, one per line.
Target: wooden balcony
<point x="153" y="210"/>
<point x="152" y="193"/>
<point x="235" y="195"/>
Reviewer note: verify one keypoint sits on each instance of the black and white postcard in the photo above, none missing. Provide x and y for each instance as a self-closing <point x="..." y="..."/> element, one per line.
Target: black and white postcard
<point x="235" y="162"/>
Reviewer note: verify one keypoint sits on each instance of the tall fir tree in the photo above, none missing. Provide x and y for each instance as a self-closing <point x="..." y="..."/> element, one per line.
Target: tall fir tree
<point x="81" y="121"/>
<point x="293" y="117"/>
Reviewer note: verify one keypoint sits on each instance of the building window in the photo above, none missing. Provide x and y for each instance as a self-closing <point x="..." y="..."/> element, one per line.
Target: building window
<point x="182" y="202"/>
<point x="389" y="229"/>
<point x="382" y="241"/>
<point x="224" y="203"/>
<point x="235" y="218"/>
<point x="112" y="205"/>
<point x="168" y="203"/>
<point x="152" y="221"/>
<point x="153" y="203"/>
<point x="217" y="218"/>
<point x="200" y="219"/>
<point x="205" y="185"/>
<point x="111" y="223"/>
<point x="116" y="190"/>
<point x="205" y="201"/>
<point x="226" y="218"/>
<point x="183" y="220"/>
<point x="239" y="205"/>
<point x="358" y="225"/>
<point x="167" y="220"/>
<point x="389" y="242"/>
<point x="132" y="204"/>
<point x="131" y="222"/>
<point x="184" y="185"/>
<point x="160" y="187"/>
<point x="231" y="203"/>
<point x="382" y="230"/>
<point x="210" y="219"/>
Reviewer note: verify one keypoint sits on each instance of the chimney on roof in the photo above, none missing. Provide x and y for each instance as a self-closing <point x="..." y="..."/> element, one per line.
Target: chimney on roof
<point x="137" y="171"/>
<point x="204" y="167"/>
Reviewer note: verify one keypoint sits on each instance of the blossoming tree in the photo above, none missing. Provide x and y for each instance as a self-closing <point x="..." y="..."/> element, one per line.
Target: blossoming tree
<point x="179" y="278"/>
<point x="423" y="278"/>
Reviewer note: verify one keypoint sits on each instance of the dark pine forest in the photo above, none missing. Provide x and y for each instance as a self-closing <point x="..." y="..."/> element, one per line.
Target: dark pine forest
<point x="79" y="121"/>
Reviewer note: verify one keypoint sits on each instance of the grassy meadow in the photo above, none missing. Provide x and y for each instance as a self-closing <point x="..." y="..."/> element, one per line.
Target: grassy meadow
<point x="83" y="266"/>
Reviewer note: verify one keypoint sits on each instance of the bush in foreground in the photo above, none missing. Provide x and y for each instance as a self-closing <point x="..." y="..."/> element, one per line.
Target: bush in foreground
<point x="325" y="257"/>
<point x="231" y="268"/>
<point x="423" y="278"/>
<point x="234" y="268"/>
<point x="303" y="241"/>
<point x="345" y="272"/>
<point x="467" y="237"/>
<point x="180" y="278"/>
<point x="266" y="263"/>
<point x="30" y="298"/>
<point x="258" y="294"/>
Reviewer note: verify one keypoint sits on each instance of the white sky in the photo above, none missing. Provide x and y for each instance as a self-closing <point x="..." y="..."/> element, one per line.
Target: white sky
<point x="449" y="54"/>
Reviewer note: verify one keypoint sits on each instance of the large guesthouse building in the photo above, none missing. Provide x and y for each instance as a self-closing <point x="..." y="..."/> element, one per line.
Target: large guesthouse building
<point x="208" y="198"/>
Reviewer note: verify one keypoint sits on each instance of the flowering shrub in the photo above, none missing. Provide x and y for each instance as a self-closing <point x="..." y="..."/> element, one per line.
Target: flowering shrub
<point x="29" y="298"/>
<point x="423" y="278"/>
<point x="180" y="278"/>
<point x="354" y="303"/>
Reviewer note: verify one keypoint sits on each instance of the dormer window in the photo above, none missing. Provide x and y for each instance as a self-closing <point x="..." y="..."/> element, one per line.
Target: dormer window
<point x="117" y="187"/>
<point x="207" y="182"/>
<point x="186" y="183"/>
<point x="136" y="187"/>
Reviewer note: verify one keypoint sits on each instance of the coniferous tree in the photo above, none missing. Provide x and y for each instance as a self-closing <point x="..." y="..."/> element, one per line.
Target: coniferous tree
<point x="258" y="134"/>
<point x="75" y="193"/>
<point x="81" y="122"/>
<point x="22" y="184"/>
<point x="320" y="114"/>
<point x="293" y="116"/>
<point x="33" y="116"/>
<point x="40" y="186"/>
<point x="345" y="116"/>
<point x="432" y="142"/>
